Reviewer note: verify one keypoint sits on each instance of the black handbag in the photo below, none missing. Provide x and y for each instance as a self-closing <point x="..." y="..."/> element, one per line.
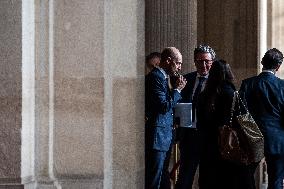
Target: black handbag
<point x="241" y="141"/>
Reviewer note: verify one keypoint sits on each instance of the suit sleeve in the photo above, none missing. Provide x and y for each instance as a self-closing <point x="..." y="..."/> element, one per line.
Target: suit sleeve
<point x="162" y="99"/>
<point x="242" y="88"/>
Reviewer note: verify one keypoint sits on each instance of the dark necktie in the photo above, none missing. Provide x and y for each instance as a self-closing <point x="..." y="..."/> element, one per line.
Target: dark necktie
<point x="195" y="96"/>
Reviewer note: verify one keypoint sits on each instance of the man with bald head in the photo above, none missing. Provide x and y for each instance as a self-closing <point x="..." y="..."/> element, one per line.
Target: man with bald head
<point x="161" y="97"/>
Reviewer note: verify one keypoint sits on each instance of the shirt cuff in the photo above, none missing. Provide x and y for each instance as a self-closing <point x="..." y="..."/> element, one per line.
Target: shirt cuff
<point x="178" y="90"/>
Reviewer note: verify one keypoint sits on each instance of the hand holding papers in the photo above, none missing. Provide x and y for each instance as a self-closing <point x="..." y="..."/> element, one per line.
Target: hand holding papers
<point x="183" y="113"/>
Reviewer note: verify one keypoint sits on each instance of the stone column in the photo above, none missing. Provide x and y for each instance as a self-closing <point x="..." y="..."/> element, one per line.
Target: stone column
<point x="234" y="28"/>
<point x="83" y="94"/>
<point x="276" y="28"/>
<point x="231" y="28"/>
<point x="172" y="23"/>
<point x="10" y="94"/>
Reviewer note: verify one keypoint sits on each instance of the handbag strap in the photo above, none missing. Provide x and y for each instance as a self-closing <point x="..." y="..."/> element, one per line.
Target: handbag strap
<point x="238" y="99"/>
<point x="233" y="108"/>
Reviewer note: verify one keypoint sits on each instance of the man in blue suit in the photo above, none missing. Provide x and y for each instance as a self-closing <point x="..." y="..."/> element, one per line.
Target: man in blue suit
<point x="188" y="138"/>
<point x="264" y="95"/>
<point x="161" y="97"/>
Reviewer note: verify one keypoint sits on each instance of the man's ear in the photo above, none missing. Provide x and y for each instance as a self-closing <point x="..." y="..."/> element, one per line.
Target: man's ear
<point x="168" y="60"/>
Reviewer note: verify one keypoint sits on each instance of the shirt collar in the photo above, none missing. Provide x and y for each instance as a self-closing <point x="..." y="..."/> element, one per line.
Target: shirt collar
<point x="164" y="72"/>
<point x="206" y="77"/>
<point x="268" y="71"/>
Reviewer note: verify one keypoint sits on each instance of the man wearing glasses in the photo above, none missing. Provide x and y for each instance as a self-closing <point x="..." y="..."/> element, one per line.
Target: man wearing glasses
<point x="188" y="137"/>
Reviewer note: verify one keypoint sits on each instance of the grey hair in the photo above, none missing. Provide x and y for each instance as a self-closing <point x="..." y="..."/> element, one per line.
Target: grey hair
<point x="205" y="49"/>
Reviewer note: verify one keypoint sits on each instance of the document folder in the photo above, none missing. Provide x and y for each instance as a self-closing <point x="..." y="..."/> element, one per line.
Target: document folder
<point x="183" y="114"/>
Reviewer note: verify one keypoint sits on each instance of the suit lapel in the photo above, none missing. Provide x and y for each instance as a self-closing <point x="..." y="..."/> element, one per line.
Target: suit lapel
<point x="165" y="82"/>
<point x="187" y="92"/>
<point x="192" y="83"/>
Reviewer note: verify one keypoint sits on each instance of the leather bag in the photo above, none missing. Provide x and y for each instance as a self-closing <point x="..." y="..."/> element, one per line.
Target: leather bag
<point x="241" y="141"/>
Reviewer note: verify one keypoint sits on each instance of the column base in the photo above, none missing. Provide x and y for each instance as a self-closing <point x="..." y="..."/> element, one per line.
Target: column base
<point x="65" y="184"/>
<point x="36" y="185"/>
<point x="81" y="184"/>
<point x="11" y="183"/>
<point x="12" y="186"/>
<point x="31" y="182"/>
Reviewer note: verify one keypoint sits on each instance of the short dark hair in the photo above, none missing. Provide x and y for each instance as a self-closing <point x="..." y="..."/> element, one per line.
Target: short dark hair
<point x="272" y="59"/>
<point x="153" y="55"/>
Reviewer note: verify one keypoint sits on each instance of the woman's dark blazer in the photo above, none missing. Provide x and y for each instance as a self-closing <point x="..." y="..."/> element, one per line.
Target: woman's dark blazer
<point x="212" y="116"/>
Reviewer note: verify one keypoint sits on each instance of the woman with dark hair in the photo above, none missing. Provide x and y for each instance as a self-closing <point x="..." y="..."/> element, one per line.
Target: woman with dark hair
<point x="213" y="111"/>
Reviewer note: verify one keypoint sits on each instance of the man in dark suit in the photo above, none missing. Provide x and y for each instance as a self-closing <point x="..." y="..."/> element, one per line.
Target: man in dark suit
<point x="161" y="97"/>
<point x="189" y="142"/>
<point x="264" y="95"/>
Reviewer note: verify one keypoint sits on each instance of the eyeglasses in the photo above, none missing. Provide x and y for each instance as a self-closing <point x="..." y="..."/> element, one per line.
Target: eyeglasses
<point x="176" y="62"/>
<point x="207" y="62"/>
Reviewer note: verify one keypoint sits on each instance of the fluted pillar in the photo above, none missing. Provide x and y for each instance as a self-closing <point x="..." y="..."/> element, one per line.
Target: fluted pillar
<point x="83" y="94"/>
<point x="172" y="23"/>
<point x="276" y="28"/>
<point x="231" y="28"/>
<point x="236" y="29"/>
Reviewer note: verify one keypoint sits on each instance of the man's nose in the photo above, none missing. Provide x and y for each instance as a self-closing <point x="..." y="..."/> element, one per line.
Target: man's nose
<point x="179" y="67"/>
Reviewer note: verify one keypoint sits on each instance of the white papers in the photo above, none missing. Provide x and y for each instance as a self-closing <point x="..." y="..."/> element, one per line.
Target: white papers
<point x="183" y="114"/>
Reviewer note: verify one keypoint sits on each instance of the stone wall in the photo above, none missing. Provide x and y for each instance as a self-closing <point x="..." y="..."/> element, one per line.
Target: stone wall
<point x="10" y="93"/>
<point x="83" y="94"/>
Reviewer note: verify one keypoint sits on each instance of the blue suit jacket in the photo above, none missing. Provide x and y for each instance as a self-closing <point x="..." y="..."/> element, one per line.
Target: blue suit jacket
<point x="159" y="104"/>
<point x="264" y="95"/>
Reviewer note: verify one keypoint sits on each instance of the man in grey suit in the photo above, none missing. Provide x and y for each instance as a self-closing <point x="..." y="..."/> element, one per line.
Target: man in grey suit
<point x="264" y="95"/>
<point x="159" y="103"/>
